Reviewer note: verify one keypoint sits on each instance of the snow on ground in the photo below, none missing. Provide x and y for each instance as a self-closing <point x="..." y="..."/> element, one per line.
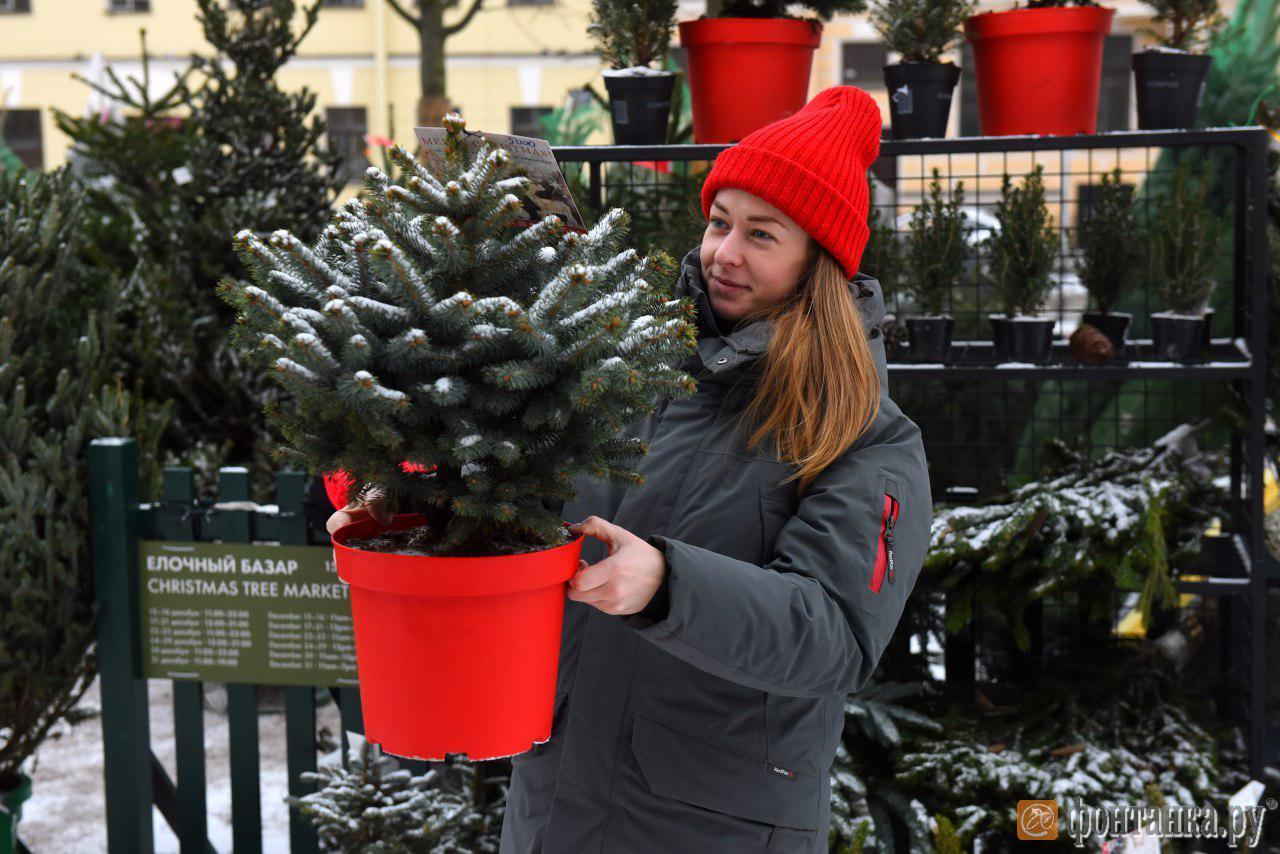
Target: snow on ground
<point x="67" y="810"/>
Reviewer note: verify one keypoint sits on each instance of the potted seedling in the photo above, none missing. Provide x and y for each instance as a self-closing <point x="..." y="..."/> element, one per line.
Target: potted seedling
<point x="920" y="84"/>
<point x="749" y="66"/>
<point x="1021" y="253"/>
<point x="937" y="244"/>
<point x="467" y="369"/>
<point x="1169" y="75"/>
<point x="884" y="256"/>
<point x="1181" y="247"/>
<point x="1109" y="255"/>
<point x="1038" y="68"/>
<point x="633" y="39"/>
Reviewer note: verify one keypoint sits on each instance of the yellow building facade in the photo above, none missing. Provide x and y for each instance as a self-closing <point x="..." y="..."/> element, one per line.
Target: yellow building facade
<point x="509" y="63"/>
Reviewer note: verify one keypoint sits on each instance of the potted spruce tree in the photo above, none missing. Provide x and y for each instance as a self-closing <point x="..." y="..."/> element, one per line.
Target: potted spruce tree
<point x="749" y="66"/>
<point x="1038" y="68"/>
<point x="1021" y="253"/>
<point x="1169" y="75"/>
<point x="1109" y="255"/>
<point x="467" y="369"/>
<point x="1181" y="245"/>
<point x="936" y="248"/>
<point x="884" y="256"/>
<point x="920" y="84"/>
<point x="633" y="39"/>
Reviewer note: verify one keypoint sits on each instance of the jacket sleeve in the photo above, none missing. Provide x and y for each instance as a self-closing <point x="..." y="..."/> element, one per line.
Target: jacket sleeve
<point x="807" y="623"/>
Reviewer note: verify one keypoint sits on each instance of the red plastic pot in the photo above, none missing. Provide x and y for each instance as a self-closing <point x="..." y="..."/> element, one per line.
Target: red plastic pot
<point x="1038" y="70"/>
<point x="745" y="73"/>
<point x="455" y="654"/>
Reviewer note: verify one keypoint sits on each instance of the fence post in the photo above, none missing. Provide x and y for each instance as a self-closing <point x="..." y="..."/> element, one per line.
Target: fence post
<point x="299" y="700"/>
<point x="178" y="523"/>
<point x="126" y="730"/>
<point x="242" y="699"/>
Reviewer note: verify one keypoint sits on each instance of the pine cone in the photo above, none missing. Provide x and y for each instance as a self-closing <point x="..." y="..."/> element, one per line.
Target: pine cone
<point x="1089" y="344"/>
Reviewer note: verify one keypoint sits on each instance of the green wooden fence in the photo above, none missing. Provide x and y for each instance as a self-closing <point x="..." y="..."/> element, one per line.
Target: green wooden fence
<point x="135" y="779"/>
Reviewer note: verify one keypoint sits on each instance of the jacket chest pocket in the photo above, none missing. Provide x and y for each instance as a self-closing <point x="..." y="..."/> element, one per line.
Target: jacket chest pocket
<point x="776" y="502"/>
<point x="718" y="506"/>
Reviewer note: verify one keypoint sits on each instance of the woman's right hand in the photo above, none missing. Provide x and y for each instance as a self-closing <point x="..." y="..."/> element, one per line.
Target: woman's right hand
<point x="372" y="504"/>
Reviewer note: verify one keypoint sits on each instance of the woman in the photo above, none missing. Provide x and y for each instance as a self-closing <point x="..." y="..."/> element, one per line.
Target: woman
<point x="723" y="611"/>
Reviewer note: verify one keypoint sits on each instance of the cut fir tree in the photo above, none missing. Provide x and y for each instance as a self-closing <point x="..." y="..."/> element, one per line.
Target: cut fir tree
<point x="468" y="369"/>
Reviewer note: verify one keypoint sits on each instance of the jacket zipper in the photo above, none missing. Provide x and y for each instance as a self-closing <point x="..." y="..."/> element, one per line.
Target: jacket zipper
<point x="884" y="548"/>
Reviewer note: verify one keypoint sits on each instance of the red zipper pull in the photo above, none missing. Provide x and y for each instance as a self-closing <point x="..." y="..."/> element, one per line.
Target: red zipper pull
<point x="888" y="536"/>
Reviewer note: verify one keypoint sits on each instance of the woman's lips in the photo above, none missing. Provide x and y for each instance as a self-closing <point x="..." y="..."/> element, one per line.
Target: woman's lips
<point x="724" y="287"/>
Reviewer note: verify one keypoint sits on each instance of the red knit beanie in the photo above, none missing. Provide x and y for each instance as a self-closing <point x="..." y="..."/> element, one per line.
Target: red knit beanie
<point x="812" y="166"/>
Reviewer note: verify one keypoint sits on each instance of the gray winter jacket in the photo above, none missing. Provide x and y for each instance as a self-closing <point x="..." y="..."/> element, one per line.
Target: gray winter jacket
<point x="708" y="722"/>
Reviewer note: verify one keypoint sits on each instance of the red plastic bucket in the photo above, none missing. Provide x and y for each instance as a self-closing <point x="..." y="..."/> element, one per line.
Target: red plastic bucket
<point x="745" y="73"/>
<point x="1038" y="70"/>
<point x="455" y="654"/>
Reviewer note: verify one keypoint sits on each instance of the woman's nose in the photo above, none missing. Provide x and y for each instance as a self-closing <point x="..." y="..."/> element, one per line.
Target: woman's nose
<point x="728" y="253"/>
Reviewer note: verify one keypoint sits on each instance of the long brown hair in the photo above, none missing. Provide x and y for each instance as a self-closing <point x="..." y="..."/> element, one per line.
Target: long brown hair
<point x="818" y="388"/>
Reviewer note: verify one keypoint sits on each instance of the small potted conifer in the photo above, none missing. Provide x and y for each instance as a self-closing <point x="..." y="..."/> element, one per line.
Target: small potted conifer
<point x="1021" y="252"/>
<point x="1109" y="255"/>
<point x="1181" y="245"/>
<point x="633" y="39"/>
<point x="1038" y="68"/>
<point x="884" y="256"/>
<point x="937" y="245"/>
<point x="920" y="84"/>
<point x="1169" y="75"/>
<point x="466" y="368"/>
<point x="749" y="65"/>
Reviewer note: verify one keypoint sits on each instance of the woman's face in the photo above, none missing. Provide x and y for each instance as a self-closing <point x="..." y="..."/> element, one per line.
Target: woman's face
<point x="752" y="254"/>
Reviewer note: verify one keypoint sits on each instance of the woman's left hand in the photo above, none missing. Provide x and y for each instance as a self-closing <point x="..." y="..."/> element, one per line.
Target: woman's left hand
<point x="625" y="581"/>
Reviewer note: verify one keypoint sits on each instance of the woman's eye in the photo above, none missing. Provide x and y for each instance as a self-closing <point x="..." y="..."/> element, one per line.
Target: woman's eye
<point x="763" y="233"/>
<point x="717" y="222"/>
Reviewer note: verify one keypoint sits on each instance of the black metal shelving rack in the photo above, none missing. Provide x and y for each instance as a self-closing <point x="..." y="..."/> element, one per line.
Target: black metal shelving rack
<point x="1239" y="359"/>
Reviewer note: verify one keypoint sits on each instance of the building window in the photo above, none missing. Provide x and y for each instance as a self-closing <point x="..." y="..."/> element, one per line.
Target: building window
<point x="862" y="64"/>
<point x="343" y="4"/>
<point x="1087" y="195"/>
<point x="527" y="121"/>
<point x="14" y="6"/>
<point x="22" y="134"/>
<point x="115" y="6"/>
<point x="1113" y="93"/>
<point x="347" y="127"/>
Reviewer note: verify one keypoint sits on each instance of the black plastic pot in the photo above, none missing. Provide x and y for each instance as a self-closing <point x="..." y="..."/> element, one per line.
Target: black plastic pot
<point x="1169" y="87"/>
<point x="1208" y="331"/>
<point x="930" y="337"/>
<point x="639" y="107"/>
<point x="999" y="336"/>
<point x="1114" y="325"/>
<point x="1177" y="337"/>
<point x="1030" y="339"/>
<point x="920" y="97"/>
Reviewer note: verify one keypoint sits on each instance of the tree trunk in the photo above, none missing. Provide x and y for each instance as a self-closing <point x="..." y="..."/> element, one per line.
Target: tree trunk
<point x="433" y="103"/>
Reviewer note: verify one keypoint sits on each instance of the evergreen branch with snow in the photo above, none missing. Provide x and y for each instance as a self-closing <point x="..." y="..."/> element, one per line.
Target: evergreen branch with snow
<point x="1117" y="521"/>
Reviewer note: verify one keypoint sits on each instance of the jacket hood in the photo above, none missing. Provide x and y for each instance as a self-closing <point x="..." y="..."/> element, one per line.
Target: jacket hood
<point x="752" y="340"/>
